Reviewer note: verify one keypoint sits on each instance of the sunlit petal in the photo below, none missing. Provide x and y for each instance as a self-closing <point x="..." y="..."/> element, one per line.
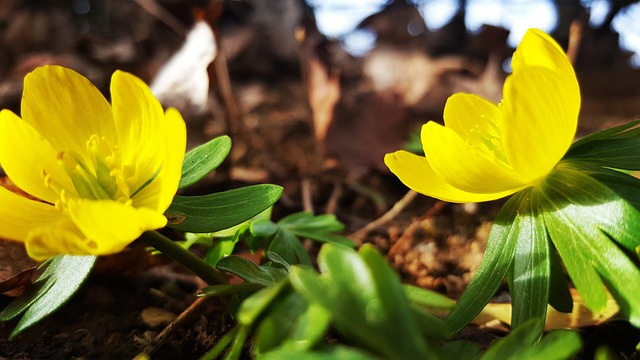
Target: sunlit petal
<point x="473" y="118"/>
<point x="25" y="154"/>
<point x="110" y="226"/>
<point x="416" y="173"/>
<point x="159" y="194"/>
<point x="19" y="215"/>
<point x="540" y="120"/>
<point x="460" y="164"/>
<point x="60" y="237"/>
<point x="139" y="121"/>
<point x="66" y="108"/>
<point x="538" y="49"/>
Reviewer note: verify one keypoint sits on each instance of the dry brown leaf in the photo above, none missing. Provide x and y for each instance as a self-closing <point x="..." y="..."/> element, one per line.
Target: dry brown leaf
<point x="578" y="318"/>
<point x="16" y="268"/>
<point x="324" y="92"/>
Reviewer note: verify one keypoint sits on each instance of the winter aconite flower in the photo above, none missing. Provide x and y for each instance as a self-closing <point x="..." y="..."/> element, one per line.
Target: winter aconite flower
<point x="486" y="151"/>
<point x="104" y="173"/>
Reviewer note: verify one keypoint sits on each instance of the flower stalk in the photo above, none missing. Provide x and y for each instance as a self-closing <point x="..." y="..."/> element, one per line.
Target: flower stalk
<point x="184" y="257"/>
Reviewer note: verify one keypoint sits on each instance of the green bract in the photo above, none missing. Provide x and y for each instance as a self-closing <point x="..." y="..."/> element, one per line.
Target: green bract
<point x="584" y="212"/>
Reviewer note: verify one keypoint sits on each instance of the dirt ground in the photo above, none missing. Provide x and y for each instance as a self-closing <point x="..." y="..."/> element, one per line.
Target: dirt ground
<point x="151" y="308"/>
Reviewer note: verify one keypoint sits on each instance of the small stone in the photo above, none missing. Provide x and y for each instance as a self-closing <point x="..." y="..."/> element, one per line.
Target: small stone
<point x="155" y="317"/>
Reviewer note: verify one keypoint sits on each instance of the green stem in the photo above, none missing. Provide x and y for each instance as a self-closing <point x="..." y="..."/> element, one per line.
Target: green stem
<point x="183" y="256"/>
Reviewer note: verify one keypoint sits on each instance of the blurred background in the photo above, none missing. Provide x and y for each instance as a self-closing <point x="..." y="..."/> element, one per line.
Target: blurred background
<point x="309" y="86"/>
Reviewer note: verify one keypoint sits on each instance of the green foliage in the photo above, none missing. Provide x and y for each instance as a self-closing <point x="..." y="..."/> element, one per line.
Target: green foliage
<point x="358" y="298"/>
<point x="583" y="212"/>
<point x="203" y="159"/>
<point x="282" y="238"/>
<point x="218" y="211"/>
<point x="61" y="279"/>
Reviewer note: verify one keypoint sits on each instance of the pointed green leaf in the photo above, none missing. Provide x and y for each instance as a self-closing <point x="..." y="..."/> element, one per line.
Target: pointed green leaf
<point x="559" y="294"/>
<point x="588" y="224"/>
<point x="522" y="344"/>
<point x="426" y="298"/>
<point x="531" y="274"/>
<point x="614" y="132"/>
<point x="248" y="271"/>
<point x="291" y="322"/>
<point x="202" y="160"/>
<point x="326" y="353"/>
<point x="230" y="289"/>
<point x="366" y="300"/>
<point x="494" y="266"/>
<point x="324" y="237"/>
<point x="289" y="247"/>
<point x="254" y="306"/>
<point x="617" y="148"/>
<point x="61" y="279"/>
<point x="310" y="222"/>
<point x="218" y="211"/>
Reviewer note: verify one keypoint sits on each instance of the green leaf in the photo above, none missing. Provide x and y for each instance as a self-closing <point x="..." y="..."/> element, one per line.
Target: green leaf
<point x="495" y="264"/>
<point x="221" y="248"/>
<point x="288" y="246"/>
<point x="61" y="279"/>
<point x="460" y="350"/>
<point x="254" y="306"/>
<point x="427" y="298"/>
<point x="595" y="233"/>
<point x="366" y="300"/>
<point x="218" y="211"/>
<point x="309" y="222"/>
<point x="263" y="228"/>
<point x="617" y="148"/>
<point x="202" y="160"/>
<point x="327" y="353"/>
<point x="291" y="322"/>
<point x="248" y="271"/>
<point x="559" y="294"/>
<point x="530" y="272"/>
<point x="614" y="132"/>
<point x="522" y="344"/>
<point x="324" y="237"/>
<point x="231" y="289"/>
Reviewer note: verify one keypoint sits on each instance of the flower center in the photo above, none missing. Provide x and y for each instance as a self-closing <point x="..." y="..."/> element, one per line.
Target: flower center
<point x="101" y="175"/>
<point x="487" y="136"/>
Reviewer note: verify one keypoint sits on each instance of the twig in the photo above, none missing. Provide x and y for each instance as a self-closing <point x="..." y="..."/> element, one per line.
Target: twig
<point x="359" y="235"/>
<point x="575" y="38"/>
<point x="167" y="18"/>
<point x="184" y="317"/>
<point x="332" y="203"/>
<point x="307" y="199"/>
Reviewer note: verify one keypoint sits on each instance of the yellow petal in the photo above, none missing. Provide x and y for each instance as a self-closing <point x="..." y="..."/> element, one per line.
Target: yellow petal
<point x="541" y="105"/>
<point x="540" y="120"/>
<point x="139" y="121"/>
<point x="472" y="117"/>
<point x="415" y="172"/>
<point x="110" y="226"/>
<point x="463" y="166"/>
<point x="65" y="108"/>
<point x="24" y="154"/>
<point x="19" y="215"/>
<point x="159" y="194"/>
<point x="540" y="50"/>
<point x="61" y="237"/>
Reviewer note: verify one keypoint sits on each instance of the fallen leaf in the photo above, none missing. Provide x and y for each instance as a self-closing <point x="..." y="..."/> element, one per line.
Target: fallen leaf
<point x="324" y="93"/>
<point x="183" y="82"/>
<point x="16" y="268"/>
<point x="578" y="318"/>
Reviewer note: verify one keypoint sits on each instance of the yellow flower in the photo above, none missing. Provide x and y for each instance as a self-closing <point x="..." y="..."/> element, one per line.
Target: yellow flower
<point x="486" y="152"/>
<point x="105" y="173"/>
